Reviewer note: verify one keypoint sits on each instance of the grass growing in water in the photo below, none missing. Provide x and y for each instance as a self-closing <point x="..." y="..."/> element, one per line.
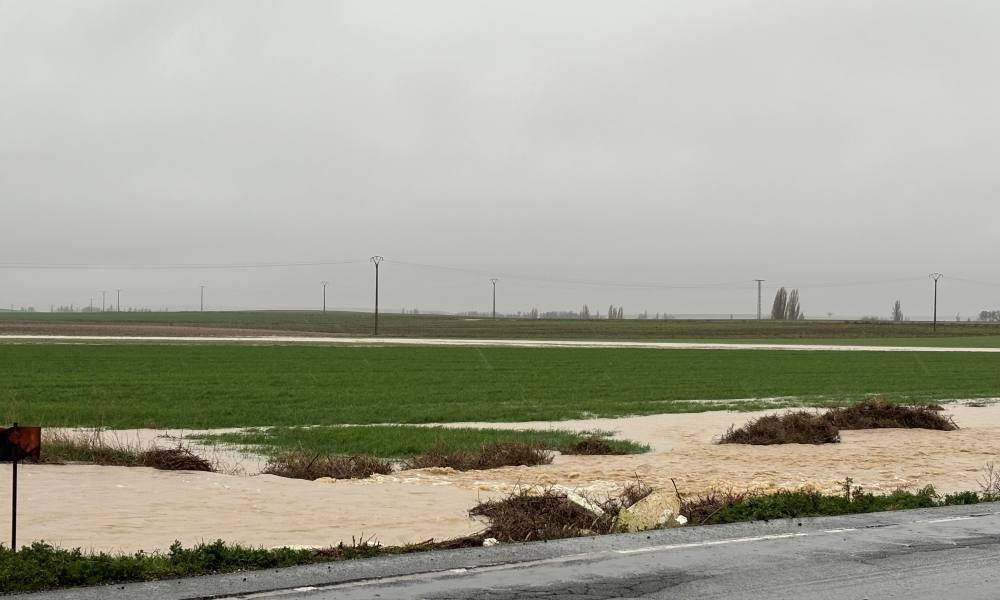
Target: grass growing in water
<point x="399" y="441"/>
<point x="95" y="449"/>
<point x="314" y="466"/>
<point x="487" y="456"/>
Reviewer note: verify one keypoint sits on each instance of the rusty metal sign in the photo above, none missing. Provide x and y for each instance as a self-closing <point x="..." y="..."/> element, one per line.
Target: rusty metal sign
<point x="19" y="443"/>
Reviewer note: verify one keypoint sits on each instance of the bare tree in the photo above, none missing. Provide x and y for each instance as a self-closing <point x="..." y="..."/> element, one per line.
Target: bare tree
<point x="897" y="311"/>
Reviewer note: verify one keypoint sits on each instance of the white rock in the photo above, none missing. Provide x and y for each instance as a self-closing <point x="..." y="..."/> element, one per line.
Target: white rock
<point x="488" y="542"/>
<point x="659" y="509"/>
<point x="584" y="503"/>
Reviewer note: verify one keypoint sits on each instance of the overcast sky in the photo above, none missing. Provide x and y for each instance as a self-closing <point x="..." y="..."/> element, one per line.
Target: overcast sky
<point x="567" y="147"/>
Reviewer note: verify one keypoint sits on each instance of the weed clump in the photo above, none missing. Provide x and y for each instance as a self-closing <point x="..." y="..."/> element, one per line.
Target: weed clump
<point x="799" y="427"/>
<point x="488" y="456"/>
<point x="529" y="514"/>
<point x="174" y="459"/>
<point x="876" y="413"/>
<point x="299" y="465"/>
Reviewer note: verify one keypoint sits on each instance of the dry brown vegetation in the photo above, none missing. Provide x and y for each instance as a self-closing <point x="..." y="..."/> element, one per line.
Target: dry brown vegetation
<point x="876" y="413"/>
<point x="804" y="427"/>
<point x="545" y="514"/>
<point x="488" y="456"/>
<point x="700" y="509"/>
<point x="298" y="465"/>
<point x="799" y="427"/>
<point x="93" y="448"/>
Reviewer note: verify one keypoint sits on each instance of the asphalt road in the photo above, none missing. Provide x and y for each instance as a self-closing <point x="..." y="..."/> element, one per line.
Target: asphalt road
<point x="938" y="553"/>
<point x="389" y="341"/>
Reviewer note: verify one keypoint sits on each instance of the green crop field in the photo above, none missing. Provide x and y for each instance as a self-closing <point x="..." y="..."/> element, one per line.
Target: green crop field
<point x="218" y="385"/>
<point x="396" y="325"/>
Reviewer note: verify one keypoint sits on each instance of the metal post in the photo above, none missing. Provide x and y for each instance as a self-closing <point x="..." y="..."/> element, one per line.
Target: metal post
<point x="13" y="507"/>
<point x="759" y="281"/>
<point x="494" y="282"/>
<point x="935" y="277"/>
<point x="202" y="298"/>
<point x="104" y="294"/>
<point x="324" y="284"/>
<point x="119" y="301"/>
<point x="376" y="260"/>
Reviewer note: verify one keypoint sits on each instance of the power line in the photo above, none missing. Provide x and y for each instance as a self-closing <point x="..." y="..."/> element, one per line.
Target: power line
<point x="652" y="285"/>
<point x="177" y="266"/>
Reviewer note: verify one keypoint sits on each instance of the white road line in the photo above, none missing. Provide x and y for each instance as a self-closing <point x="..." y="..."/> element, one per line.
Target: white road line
<point x="366" y="341"/>
<point x="760" y="538"/>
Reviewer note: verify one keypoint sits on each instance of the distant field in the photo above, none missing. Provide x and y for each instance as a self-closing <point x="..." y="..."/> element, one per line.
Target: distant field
<point x="396" y="325"/>
<point x="197" y="386"/>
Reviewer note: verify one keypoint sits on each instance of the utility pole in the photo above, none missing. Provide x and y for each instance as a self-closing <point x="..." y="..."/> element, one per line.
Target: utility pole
<point x="119" y="301"/>
<point x="935" y="277"/>
<point x="376" y="260"/>
<point x="494" y="280"/>
<point x="324" y="284"/>
<point x="202" y="298"/>
<point x="759" y="281"/>
<point x="104" y="294"/>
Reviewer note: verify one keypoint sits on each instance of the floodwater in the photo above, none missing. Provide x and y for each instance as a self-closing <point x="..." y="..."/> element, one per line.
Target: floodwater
<point x="127" y="509"/>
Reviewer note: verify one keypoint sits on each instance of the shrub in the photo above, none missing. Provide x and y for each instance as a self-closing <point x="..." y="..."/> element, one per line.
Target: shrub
<point x="790" y="428"/>
<point x="546" y="514"/>
<point x="876" y="413"/>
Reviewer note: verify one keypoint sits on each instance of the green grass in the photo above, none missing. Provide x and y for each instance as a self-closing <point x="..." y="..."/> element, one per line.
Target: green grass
<point x="196" y="386"/>
<point x="399" y="441"/>
<point x="789" y="505"/>
<point x="42" y="566"/>
<point x="396" y="325"/>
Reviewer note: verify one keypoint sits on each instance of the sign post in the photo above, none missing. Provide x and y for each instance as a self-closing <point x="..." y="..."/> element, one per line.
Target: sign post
<point x="16" y="444"/>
